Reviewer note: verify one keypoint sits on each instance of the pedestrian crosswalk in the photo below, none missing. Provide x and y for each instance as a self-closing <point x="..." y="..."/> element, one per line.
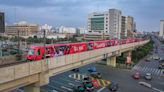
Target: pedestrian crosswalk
<point x="144" y="69"/>
<point x="99" y="82"/>
<point x="77" y="76"/>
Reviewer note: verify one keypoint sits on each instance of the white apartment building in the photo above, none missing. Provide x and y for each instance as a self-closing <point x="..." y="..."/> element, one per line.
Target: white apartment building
<point x="161" y="33"/>
<point x="65" y="30"/>
<point x="108" y="22"/>
<point x="115" y="23"/>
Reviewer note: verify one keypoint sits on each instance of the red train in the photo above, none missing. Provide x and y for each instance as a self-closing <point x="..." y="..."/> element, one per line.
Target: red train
<point x="54" y="50"/>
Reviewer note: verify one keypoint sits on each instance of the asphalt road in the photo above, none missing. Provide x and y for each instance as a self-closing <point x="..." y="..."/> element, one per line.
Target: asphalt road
<point x="64" y="83"/>
<point x="152" y="66"/>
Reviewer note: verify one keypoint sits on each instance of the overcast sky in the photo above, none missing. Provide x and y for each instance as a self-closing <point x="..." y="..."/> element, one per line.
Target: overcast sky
<point x="147" y="13"/>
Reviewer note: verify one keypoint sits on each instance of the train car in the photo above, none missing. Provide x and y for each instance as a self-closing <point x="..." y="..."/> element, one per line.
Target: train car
<point x="97" y="44"/>
<point x="77" y="47"/>
<point x="35" y="53"/>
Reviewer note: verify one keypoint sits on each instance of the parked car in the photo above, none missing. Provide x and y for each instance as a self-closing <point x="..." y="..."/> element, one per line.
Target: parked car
<point x="92" y="69"/>
<point x="161" y="65"/>
<point x="147" y="59"/>
<point x="148" y="76"/>
<point x="136" y="75"/>
<point x="78" y="88"/>
<point x="95" y="74"/>
<point x="113" y="86"/>
<point x="75" y="70"/>
<point x="88" y="86"/>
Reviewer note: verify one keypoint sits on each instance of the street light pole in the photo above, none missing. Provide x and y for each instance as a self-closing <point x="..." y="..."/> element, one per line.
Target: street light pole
<point x="44" y="41"/>
<point x="18" y="43"/>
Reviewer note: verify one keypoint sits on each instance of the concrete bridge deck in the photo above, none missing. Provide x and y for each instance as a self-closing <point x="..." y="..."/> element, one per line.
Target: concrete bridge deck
<point x="34" y="74"/>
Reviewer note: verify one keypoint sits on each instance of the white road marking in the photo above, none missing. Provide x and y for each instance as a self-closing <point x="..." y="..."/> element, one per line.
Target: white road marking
<point x="157" y="89"/>
<point x="71" y="84"/>
<point x="66" y="88"/>
<point x="158" y="73"/>
<point x="54" y="91"/>
<point x="101" y="89"/>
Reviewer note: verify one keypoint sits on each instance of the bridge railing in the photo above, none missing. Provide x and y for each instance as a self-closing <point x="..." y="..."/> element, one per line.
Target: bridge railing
<point x="29" y="68"/>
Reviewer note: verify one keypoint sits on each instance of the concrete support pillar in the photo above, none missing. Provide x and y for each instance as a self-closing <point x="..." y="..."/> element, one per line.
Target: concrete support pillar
<point x="111" y="61"/>
<point x="32" y="88"/>
<point x="127" y="55"/>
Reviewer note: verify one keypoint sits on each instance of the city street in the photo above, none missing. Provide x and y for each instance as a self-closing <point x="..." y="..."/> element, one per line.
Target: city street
<point x="64" y="82"/>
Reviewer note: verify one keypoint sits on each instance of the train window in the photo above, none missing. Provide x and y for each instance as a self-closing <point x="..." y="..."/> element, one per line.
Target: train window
<point x="38" y="52"/>
<point x="31" y="52"/>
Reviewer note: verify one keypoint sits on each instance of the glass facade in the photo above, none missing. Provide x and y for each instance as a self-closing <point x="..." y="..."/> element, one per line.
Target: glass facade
<point x="2" y="23"/>
<point x="97" y="23"/>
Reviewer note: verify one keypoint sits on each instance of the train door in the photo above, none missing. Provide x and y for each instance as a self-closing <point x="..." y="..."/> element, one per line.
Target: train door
<point x="39" y="52"/>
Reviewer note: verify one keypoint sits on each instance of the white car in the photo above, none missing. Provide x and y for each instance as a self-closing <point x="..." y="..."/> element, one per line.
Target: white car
<point x="148" y="76"/>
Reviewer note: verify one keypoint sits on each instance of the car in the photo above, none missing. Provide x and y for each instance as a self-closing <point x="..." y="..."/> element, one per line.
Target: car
<point x="147" y="60"/>
<point x="148" y="76"/>
<point x="75" y="70"/>
<point x="95" y="74"/>
<point x="161" y="66"/>
<point x="89" y="87"/>
<point x="113" y="86"/>
<point x="136" y="75"/>
<point x="92" y="69"/>
<point x="95" y="83"/>
<point x="156" y="57"/>
<point x="78" y="88"/>
<point x="161" y="61"/>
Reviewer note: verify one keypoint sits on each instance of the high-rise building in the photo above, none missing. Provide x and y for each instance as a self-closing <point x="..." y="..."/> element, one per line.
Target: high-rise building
<point x="2" y="22"/>
<point x="96" y="23"/>
<point x="124" y="27"/>
<point x="108" y="22"/>
<point x="161" y="33"/>
<point x="115" y="23"/>
<point x="130" y="26"/>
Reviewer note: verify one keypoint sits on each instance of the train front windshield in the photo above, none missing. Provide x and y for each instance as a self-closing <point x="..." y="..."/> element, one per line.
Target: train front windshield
<point x="31" y="52"/>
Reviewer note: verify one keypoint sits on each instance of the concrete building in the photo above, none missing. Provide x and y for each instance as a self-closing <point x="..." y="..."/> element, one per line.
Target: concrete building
<point x="108" y="22"/>
<point x="2" y="22"/>
<point x="24" y="29"/>
<point x="96" y="23"/>
<point x="124" y="27"/>
<point x="161" y="33"/>
<point x="130" y="26"/>
<point x="67" y="30"/>
<point x="48" y="29"/>
<point x="115" y="23"/>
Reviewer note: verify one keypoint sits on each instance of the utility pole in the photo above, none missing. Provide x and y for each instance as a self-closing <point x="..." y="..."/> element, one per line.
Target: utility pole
<point x="18" y="43"/>
<point x="44" y="41"/>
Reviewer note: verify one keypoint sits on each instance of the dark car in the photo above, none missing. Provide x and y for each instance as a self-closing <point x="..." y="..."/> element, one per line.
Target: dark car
<point x="92" y="69"/>
<point x="95" y="74"/>
<point x="78" y="89"/>
<point x="88" y="86"/>
<point x="75" y="70"/>
<point x="113" y="86"/>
